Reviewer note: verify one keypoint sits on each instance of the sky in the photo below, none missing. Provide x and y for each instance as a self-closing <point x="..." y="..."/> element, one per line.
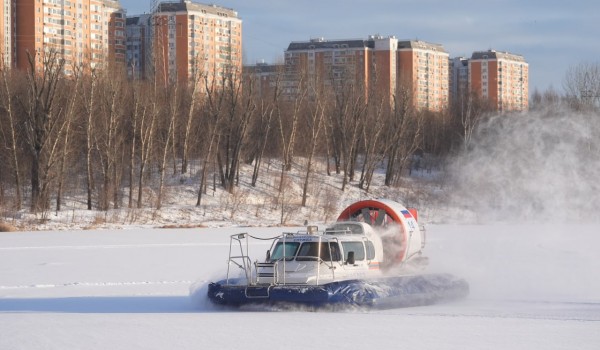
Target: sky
<point x="552" y="35"/>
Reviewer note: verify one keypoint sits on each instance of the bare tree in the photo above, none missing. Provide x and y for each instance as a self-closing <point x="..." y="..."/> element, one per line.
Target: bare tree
<point x="89" y="97"/>
<point x="172" y="96"/>
<point x="260" y="133"/>
<point x="288" y="114"/>
<point x="402" y="138"/>
<point x="438" y="136"/>
<point x="42" y="118"/>
<point x="550" y="98"/>
<point x="109" y="134"/>
<point x="240" y="112"/>
<point x="314" y="120"/>
<point x="372" y="133"/>
<point x="71" y="112"/>
<point x="146" y="118"/>
<point x="11" y="134"/>
<point x="347" y="114"/>
<point x="582" y="85"/>
<point x="195" y="101"/>
<point x="215" y="100"/>
<point x="469" y="111"/>
<point x="136" y="112"/>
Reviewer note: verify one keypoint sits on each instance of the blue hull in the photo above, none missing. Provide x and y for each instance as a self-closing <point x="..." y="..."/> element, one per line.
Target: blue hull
<point x="390" y="292"/>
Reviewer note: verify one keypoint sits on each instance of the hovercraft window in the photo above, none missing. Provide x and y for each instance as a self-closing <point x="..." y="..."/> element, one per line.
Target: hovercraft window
<point x="370" y="250"/>
<point x="310" y="251"/>
<point x="290" y="251"/>
<point x="357" y="247"/>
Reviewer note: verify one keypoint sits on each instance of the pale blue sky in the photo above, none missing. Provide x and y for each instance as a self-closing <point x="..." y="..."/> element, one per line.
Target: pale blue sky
<point x="552" y="35"/>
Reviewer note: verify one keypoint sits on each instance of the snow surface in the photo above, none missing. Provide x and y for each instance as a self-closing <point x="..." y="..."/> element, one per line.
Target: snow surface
<point x="532" y="286"/>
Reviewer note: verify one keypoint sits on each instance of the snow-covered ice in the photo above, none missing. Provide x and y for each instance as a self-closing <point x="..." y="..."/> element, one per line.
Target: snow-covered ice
<point x="532" y="286"/>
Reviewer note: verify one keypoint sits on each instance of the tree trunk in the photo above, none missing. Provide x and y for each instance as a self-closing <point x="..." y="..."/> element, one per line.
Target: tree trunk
<point x="13" y="142"/>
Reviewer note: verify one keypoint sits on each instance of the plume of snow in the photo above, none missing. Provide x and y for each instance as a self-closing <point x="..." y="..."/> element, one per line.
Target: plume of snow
<point x="540" y="166"/>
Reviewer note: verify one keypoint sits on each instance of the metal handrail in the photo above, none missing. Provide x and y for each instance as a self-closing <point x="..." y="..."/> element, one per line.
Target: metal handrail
<point x="245" y="258"/>
<point x="244" y="262"/>
<point x="273" y="265"/>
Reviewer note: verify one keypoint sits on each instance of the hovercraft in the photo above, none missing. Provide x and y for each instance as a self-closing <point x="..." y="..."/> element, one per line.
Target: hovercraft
<point x="371" y="257"/>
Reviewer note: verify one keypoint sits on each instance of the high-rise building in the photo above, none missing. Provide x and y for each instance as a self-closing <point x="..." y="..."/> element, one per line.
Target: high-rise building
<point x="381" y="63"/>
<point x="327" y="62"/>
<point x="423" y="70"/>
<point x="265" y="78"/>
<point x="117" y="39"/>
<point x="385" y="62"/>
<point x="85" y="33"/>
<point x="459" y="77"/>
<point x="500" y="77"/>
<point x="138" y="45"/>
<point x="6" y="28"/>
<point x="191" y="40"/>
<point x="368" y="64"/>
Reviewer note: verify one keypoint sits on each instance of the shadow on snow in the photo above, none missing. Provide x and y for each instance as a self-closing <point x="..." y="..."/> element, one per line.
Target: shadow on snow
<point x="101" y="304"/>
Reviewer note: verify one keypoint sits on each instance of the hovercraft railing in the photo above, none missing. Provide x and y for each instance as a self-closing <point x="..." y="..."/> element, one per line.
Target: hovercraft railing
<point x="243" y="260"/>
<point x="267" y="273"/>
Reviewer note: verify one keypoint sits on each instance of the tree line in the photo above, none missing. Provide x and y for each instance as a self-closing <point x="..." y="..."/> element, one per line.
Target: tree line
<point x="95" y="132"/>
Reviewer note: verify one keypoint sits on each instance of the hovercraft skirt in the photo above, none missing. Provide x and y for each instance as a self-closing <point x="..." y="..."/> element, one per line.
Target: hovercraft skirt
<point x="390" y="292"/>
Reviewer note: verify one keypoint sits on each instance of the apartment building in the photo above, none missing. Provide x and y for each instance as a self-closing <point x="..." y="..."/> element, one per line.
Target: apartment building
<point x="423" y="70"/>
<point x="502" y="78"/>
<point x="265" y="78"/>
<point x="459" y="77"/>
<point x="6" y="23"/>
<point x="384" y="64"/>
<point x="138" y="45"/>
<point x="116" y="17"/>
<point x="367" y="64"/>
<point x="85" y="33"/>
<point x="191" y="40"/>
<point x="326" y="62"/>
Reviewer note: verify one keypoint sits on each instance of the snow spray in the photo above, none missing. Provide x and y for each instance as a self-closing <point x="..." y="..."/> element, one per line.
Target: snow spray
<point x="536" y="175"/>
<point x="541" y="166"/>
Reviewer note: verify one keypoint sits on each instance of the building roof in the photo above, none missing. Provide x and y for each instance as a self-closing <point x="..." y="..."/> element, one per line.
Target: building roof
<point x="115" y="4"/>
<point x="493" y="54"/>
<point x="130" y="21"/>
<point x="137" y="20"/>
<point x="459" y="61"/>
<point x="187" y="6"/>
<point x="320" y="43"/>
<point x="263" y="68"/>
<point x="418" y="44"/>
